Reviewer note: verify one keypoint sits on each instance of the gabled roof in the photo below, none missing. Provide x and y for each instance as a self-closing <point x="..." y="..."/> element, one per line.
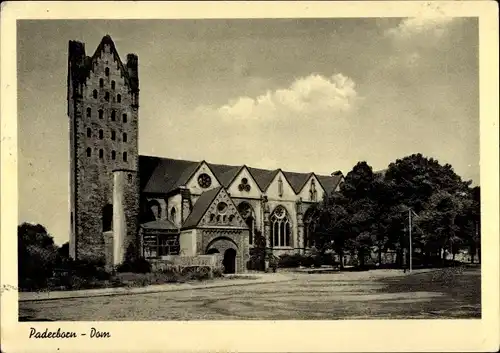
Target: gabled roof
<point x="263" y="177"/>
<point x="163" y="175"/>
<point x="329" y="183"/>
<point x="297" y="180"/>
<point x="82" y="64"/>
<point x="200" y="207"/>
<point x="163" y="224"/>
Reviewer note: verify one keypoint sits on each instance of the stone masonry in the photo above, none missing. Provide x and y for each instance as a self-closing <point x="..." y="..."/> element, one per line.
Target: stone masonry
<point x="103" y="96"/>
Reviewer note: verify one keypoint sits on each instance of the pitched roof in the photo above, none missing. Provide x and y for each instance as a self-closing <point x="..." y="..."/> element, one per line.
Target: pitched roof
<point x="263" y="177"/>
<point x="162" y="175"/>
<point x="297" y="180"/>
<point x="160" y="224"/>
<point x="200" y="207"/>
<point x="82" y="64"/>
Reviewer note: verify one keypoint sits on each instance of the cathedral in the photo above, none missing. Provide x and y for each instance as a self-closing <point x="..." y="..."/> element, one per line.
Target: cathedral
<point x="158" y="207"/>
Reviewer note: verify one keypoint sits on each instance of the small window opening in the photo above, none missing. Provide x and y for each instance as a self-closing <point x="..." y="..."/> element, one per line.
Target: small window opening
<point x="101" y="153"/>
<point x="101" y="83"/>
<point x="124" y="156"/>
<point x="119" y="98"/>
<point x="89" y="132"/>
<point x="124" y="137"/>
<point x="94" y="93"/>
<point x="89" y="112"/>
<point x="101" y="134"/>
<point x="101" y="113"/>
<point x="89" y="151"/>
<point x="113" y="155"/>
<point x="112" y="85"/>
<point x="113" y="135"/>
<point x="124" y="118"/>
<point x="106" y="71"/>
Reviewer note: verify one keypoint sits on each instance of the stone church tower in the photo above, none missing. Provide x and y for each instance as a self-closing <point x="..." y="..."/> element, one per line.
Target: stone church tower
<point x="103" y="104"/>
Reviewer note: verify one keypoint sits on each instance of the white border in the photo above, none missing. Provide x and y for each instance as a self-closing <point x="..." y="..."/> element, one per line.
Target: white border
<point x="260" y="336"/>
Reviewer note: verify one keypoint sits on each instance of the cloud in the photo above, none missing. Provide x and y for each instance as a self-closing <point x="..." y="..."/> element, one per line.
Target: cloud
<point x="306" y="97"/>
<point x="435" y="26"/>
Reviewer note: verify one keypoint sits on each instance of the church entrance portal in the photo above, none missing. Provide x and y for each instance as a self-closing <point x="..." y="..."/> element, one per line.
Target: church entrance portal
<point x="229" y="261"/>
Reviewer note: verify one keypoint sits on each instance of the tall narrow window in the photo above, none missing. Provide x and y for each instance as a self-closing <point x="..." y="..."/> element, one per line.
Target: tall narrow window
<point x="113" y="115"/>
<point x="247" y="213"/>
<point x="124" y="118"/>
<point x="89" y="151"/>
<point x="101" y="134"/>
<point x="94" y="94"/>
<point x="280" y="228"/>
<point x="106" y="71"/>
<point x="119" y="98"/>
<point x="280" y="187"/>
<point x="124" y="137"/>
<point x="312" y="191"/>
<point x="106" y="96"/>
<point x="89" y="132"/>
<point x="89" y="112"/>
<point x="101" y="83"/>
<point x="112" y="85"/>
<point x="101" y="153"/>
<point x="124" y="156"/>
<point x="172" y="214"/>
<point x="113" y="155"/>
<point x="113" y="135"/>
<point x="101" y="113"/>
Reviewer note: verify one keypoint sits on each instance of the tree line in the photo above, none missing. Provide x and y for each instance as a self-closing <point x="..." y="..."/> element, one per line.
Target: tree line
<point x="370" y="212"/>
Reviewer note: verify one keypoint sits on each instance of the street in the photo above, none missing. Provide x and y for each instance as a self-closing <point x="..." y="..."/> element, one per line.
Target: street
<point x="380" y="294"/>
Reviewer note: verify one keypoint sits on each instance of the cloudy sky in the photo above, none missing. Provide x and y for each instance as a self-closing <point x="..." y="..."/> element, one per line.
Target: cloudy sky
<point x="303" y="95"/>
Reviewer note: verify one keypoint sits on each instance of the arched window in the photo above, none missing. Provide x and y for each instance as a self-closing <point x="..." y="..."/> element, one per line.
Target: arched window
<point x="89" y="132"/>
<point x="247" y="213"/>
<point x="281" y="231"/>
<point x="313" y="194"/>
<point x="101" y="153"/>
<point x="101" y="113"/>
<point x="106" y="96"/>
<point x="113" y="135"/>
<point x="309" y="228"/>
<point x="101" y="134"/>
<point x="113" y="115"/>
<point x="112" y="85"/>
<point x="119" y="98"/>
<point x="154" y="209"/>
<point x="101" y="83"/>
<point x="172" y="214"/>
<point x="89" y="152"/>
<point x="113" y="155"/>
<point x="89" y="112"/>
<point x="124" y="137"/>
<point x="124" y="118"/>
<point x="106" y="71"/>
<point x="94" y="94"/>
<point x="107" y="218"/>
<point x="124" y="156"/>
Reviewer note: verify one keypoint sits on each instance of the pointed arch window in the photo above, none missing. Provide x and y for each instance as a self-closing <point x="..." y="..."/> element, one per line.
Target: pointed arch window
<point x="101" y="113"/>
<point x="89" y="112"/>
<point x="94" y="94"/>
<point x="247" y="213"/>
<point x="172" y="214"/>
<point x="101" y="83"/>
<point x="119" y="98"/>
<point x="124" y="116"/>
<point x="113" y="115"/>
<point x="281" y="230"/>
<point x="124" y="156"/>
<point x="106" y="96"/>
<point x="313" y="194"/>
<point x="113" y="85"/>
<point x="106" y="71"/>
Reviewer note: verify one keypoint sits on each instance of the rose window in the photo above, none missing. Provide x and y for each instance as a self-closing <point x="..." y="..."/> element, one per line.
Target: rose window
<point x="244" y="186"/>
<point x="204" y="180"/>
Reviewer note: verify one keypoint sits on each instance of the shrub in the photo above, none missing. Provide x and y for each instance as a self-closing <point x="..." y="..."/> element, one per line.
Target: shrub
<point x="139" y="265"/>
<point x="289" y="261"/>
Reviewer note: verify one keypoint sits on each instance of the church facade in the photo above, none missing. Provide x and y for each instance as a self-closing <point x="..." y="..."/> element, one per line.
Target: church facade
<point x="157" y="207"/>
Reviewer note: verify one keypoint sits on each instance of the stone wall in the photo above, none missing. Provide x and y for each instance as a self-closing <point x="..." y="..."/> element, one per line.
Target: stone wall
<point x="91" y="176"/>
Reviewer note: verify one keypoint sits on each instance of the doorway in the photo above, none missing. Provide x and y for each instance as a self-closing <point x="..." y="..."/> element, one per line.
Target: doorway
<point x="229" y="261"/>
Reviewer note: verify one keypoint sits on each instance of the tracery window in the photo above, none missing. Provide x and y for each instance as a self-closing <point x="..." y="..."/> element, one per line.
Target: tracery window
<point x="281" y="230"/>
